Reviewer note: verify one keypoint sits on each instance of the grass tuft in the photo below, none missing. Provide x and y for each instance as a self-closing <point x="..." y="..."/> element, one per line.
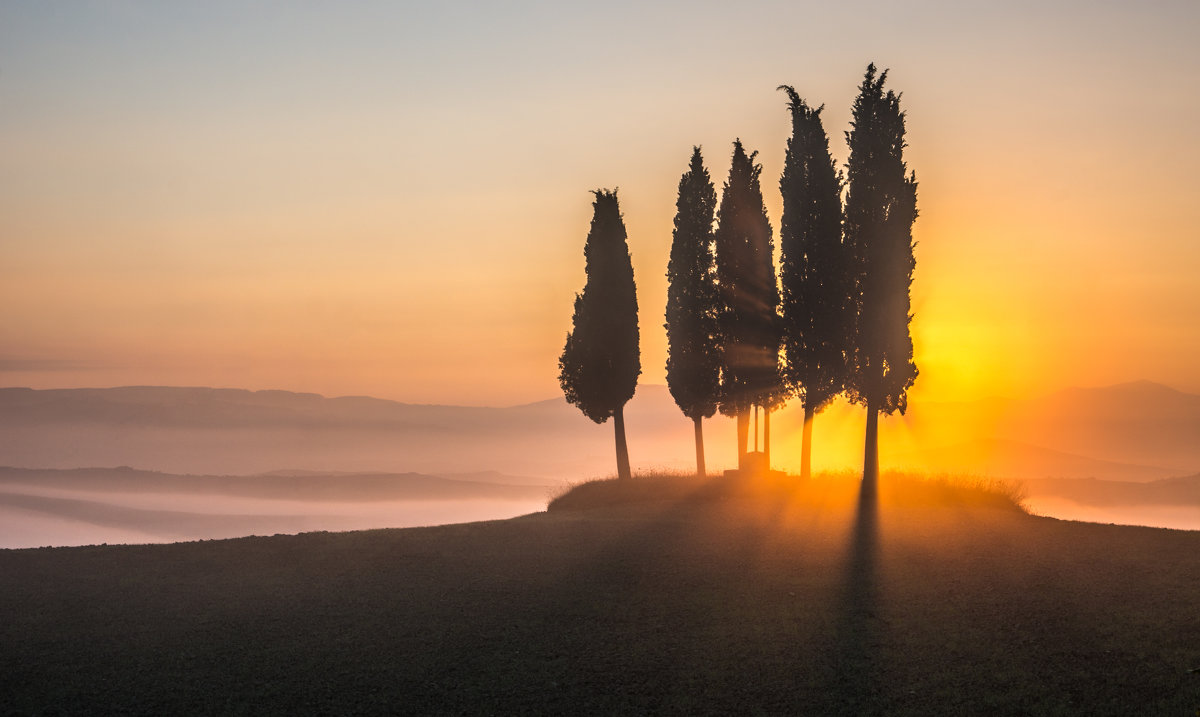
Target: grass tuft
<point x="946" y="487"/>
<point x="895" y="487"/>
<point x="643" y="487"/>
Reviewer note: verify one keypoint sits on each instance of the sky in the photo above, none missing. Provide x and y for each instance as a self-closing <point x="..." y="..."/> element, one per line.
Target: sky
<point x="391" y="199"/>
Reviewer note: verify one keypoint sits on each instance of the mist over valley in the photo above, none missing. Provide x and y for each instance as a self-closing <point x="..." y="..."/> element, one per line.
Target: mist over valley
<point x="201" y="463"/>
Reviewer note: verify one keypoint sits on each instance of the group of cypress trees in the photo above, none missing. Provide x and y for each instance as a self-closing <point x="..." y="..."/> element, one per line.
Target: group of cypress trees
<point x="741" y="340"/>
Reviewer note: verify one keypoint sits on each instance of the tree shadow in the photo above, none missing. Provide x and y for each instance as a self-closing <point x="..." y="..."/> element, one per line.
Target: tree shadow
<point x="656" y="608"/>
<point x="595" y="629"/>
<point x="858" y="632"/>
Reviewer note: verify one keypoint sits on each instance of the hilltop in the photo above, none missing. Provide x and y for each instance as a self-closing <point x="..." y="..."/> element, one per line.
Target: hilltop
<point x="737" y="603"/>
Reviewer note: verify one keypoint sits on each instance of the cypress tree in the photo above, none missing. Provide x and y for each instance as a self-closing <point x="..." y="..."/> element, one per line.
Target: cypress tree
<point x="749" y="297"/>
<point x="881" y="207"/>
<point x="600" y="364"/>
<point x="817" y="318"/>
<point x="693" y="348"/>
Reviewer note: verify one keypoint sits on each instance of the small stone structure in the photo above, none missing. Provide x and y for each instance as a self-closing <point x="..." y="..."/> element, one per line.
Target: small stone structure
<point x="753" y="464"/>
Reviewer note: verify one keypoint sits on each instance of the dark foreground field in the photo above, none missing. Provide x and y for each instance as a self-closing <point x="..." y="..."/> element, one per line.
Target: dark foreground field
<point x="778" y="603"/>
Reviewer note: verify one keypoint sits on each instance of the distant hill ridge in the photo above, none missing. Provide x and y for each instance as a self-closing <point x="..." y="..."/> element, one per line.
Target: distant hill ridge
<point x="1180" y="491"/>
<point x="1131" y="431"/>
<point x="200" y="406"/>
<point x="1007" y="458"/>
<point x="1139" y="422"/>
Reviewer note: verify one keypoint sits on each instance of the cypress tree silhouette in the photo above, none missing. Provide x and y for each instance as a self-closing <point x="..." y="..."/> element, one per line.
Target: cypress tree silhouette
<point x="881" y="207"/>
<point x="693" y="342"/>
<point x="815" y="302"/>
<point x="600" y="362"/>
<point x="749" y="297"/>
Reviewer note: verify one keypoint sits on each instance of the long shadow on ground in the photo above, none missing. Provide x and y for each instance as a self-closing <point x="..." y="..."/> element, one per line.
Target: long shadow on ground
<point x="857" y="648"/>
<point x="741" y="606"/>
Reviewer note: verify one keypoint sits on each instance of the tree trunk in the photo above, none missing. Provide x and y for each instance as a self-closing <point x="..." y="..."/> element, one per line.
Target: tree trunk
<point x="871" y="449"/>
<point x="806" y="443"/>
<point x="622" y="447"/>
<point x="756" y="428"/>
<point x="767" y="436"/>
<point x="743" y="433"/>
<point x="699" y="423"/>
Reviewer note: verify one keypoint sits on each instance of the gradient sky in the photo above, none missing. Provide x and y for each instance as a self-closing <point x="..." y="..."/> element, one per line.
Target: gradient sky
<point x="392" y="198"/>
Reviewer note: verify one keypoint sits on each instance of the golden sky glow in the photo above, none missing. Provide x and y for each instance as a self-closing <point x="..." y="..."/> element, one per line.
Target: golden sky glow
<point x="392" y="200"/>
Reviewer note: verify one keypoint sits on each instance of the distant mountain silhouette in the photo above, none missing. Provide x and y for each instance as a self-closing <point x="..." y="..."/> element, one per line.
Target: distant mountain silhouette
<point x="1178" y="492"/>
<point x="1004" y="458"/>
<point x="1134" y="431"/>
<point x="233" y="431"/>
<point x="1141" y="423"/>
<point x="193" y="407"/>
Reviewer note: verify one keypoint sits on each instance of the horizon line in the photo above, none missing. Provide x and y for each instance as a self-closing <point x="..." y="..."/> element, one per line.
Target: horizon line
<point x="1032" y="396"/>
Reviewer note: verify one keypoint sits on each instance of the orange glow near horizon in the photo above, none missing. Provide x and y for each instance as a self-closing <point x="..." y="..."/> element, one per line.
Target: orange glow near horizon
<point x="390" y="214"/>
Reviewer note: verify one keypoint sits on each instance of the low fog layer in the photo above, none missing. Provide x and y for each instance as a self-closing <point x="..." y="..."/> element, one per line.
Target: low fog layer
<point x="1139" y="431"/>
<point x="1167" y="503"/>
<point x="1178" y="517"/>
<point x="80" y="507"/>
<point x="349" y="463"/>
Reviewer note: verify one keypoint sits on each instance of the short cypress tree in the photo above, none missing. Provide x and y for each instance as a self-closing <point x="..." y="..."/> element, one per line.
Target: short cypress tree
<point x="817" y="316"/>
<point x="749" y="297"/>
<point x="693" y="342"/>
<point x="600" y="362"/>
<point x="881" y="207"/>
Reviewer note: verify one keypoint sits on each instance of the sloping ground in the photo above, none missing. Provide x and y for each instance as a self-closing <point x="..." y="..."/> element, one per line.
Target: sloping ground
<point x="769" y="604"/>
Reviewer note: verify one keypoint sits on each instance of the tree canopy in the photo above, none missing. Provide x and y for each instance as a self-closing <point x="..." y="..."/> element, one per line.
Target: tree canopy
<point x="881" y="206"/>
<point x="815" y="302"/>
<point x="600" y="362"/>
<point x="749" y="295"/>
<point x="693" y="341"/>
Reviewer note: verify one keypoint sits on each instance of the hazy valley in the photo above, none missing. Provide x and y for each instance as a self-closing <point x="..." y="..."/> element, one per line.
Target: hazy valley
<point x="1134" y="432"/>
<point x="214" y="463"/>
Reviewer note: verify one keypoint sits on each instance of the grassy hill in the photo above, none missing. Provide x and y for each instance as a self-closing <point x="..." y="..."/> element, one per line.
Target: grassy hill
<point x="686" y="601"/>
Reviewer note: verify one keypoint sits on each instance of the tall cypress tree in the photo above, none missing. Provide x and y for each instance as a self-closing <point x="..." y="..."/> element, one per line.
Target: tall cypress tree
<point x="600" y="362"/>
<point x="693" y="344"/>
<point x="749" y="297"/>
<point x="881" y="207"/>
<point x="817" y="316"/>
